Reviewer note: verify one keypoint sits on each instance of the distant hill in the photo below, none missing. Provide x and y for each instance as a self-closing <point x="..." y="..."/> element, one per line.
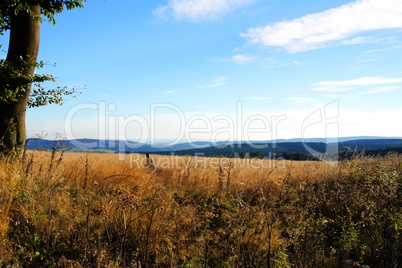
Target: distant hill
<point x="307" y="148"/>
<point x="370" y="144"/>
<point x="109" y="145"/>
<point x="369" y="153"/>
<point x="266" y="149"/>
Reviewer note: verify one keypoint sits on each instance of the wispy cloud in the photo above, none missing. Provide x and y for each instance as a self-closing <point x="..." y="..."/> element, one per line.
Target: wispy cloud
<point x="199" y="9"/>
<point x="300" y="99"/>
<point x="258" y="98"/>
<point x="382" y="49"/>
<point x="213" y="85"/>
<point x="365" y="61"/>
<point x="347" y="85"/>
<point x="332" y="27"/>
<point x="332" y="95"/>
<point x="286" y="64"/>
<point x="384" y="89"/>
<point x="219" y="81"/>
<point x="169" y="92"/>
<point x="294" y="63"/>
<point x="242" y="59"/>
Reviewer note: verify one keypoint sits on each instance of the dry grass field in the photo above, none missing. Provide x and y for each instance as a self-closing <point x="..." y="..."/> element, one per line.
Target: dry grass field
<point x="98" y="210"/>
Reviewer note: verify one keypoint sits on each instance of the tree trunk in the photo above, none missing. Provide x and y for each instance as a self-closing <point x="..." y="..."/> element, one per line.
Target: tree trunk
<point x="23" y="48"/>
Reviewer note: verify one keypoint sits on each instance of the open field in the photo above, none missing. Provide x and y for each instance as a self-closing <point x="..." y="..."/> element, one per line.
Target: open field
<point x="96" y="210"/>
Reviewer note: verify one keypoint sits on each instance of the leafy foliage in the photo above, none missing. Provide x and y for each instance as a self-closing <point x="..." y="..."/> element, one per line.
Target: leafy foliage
<point x="40" y="96"/>
<point x="15" y="83"/>
<point x="49" y="8"/>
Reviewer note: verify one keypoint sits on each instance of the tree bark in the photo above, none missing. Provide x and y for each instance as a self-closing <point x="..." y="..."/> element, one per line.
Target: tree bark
<point x="23" y="48"/>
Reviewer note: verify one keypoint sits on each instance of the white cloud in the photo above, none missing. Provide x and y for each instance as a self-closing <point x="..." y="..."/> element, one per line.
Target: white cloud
<point x="334" y="26"/>
<point x="347" y="85"/>
<point x="383" y="49"/>
<point x="384" y="89"/>
<point x="220" y="79"/>
<point x="365" y="61"/>
<point x="258" y="98"/>
<point x="357" y="40"/>
<point x="199" y="9"/>
<point x="213" y="85"/>
<point x="274" y="64"/>
<point x="297" y="63"/>
<point x="241" y="59"/>
<point x="169" y="91"/>
<point x="300" y="99"/>
<point x="334" y="96"/>
<point x="334" y="89"/>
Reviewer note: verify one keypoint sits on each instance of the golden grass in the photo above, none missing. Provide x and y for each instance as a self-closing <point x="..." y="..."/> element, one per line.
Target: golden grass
<point x="110" y="210"/>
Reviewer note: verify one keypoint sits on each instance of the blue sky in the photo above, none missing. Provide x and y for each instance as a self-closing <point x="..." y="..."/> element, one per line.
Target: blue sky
<point x="224" y="69"/>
